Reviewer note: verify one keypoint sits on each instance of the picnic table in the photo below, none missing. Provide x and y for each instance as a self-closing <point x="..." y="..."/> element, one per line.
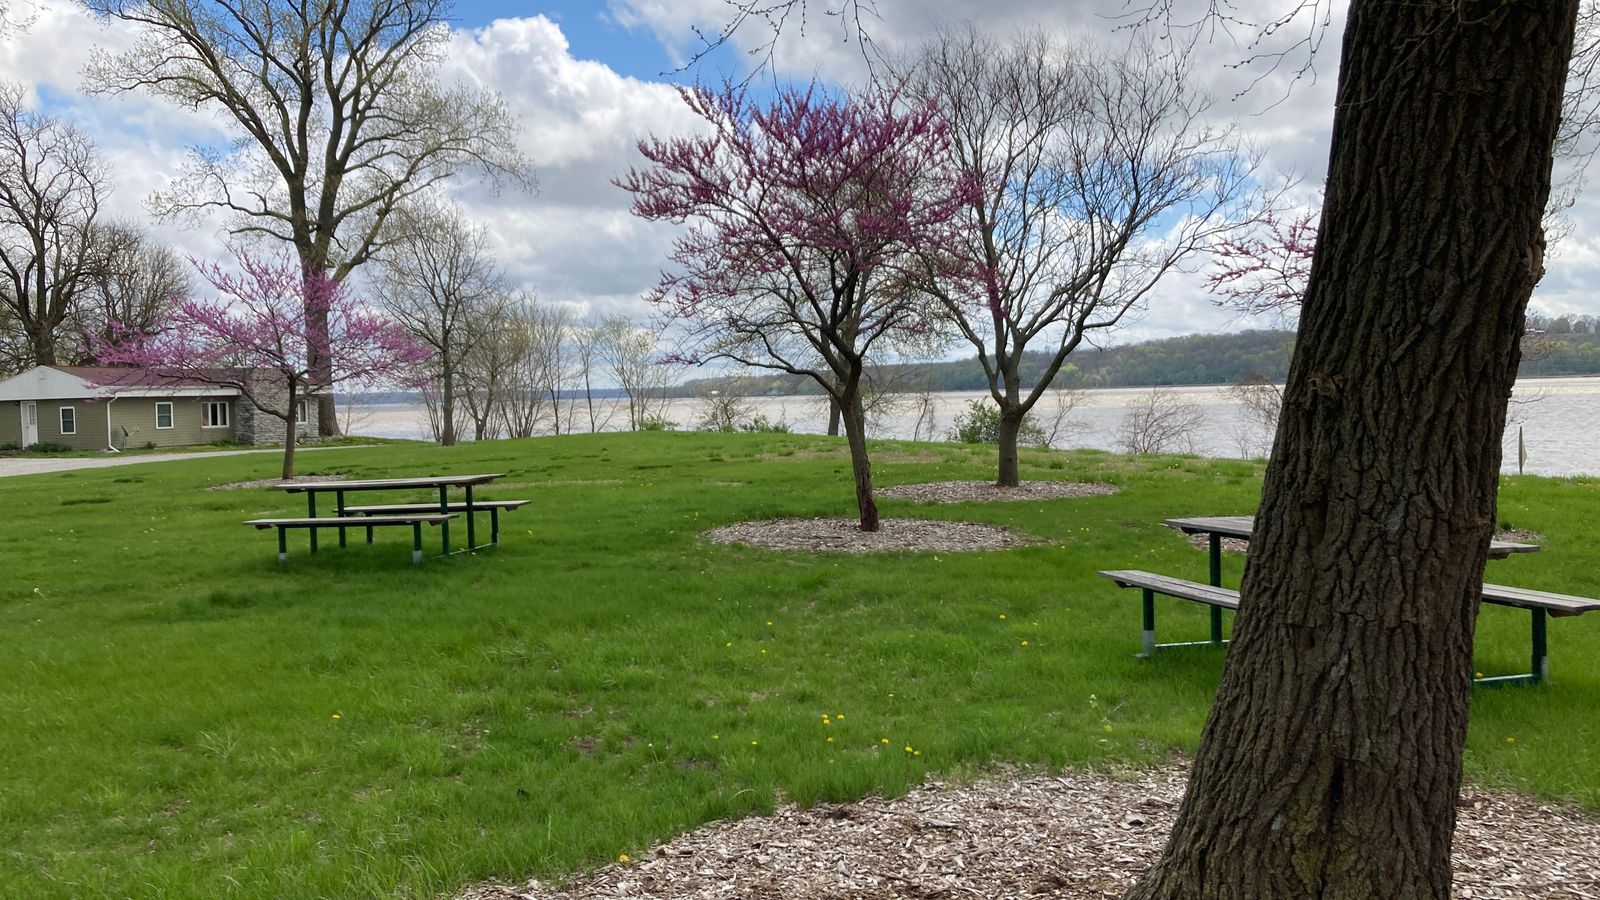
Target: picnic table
<point x="441" y="483"/>
<point x="1215" y="528"/>
<point x="1540" y="604"/>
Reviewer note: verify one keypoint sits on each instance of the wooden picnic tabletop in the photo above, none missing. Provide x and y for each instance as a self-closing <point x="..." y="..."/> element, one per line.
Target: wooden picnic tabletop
<point x="384" y="484"/>
<point x="1242" y="526"/>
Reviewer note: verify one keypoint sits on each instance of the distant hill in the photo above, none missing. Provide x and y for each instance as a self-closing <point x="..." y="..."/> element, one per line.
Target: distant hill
<point x="1192" y="359"/>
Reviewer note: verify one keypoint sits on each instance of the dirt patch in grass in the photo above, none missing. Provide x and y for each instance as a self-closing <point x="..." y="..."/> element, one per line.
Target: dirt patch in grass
<point x="272" y="482"/>
<point x="1073" y="837"/>
<point x="844" y="535"/>
<point x="988" y="491"/>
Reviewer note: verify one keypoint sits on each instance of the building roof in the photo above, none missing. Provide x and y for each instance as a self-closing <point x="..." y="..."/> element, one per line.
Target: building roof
<point x="101" y="383"/>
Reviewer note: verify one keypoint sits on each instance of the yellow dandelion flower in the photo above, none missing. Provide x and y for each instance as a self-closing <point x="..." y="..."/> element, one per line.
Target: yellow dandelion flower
<point x="755" y="743"/>
<point x="1024" y="643"/>
<point x="839" y="716"/>
<point x="763" y="651"/>
<point x="830" y="738"/>
<point x="916" y="753"/>
<point x="769" y="623"/>
<point x="716" y="737"/>
<point x="623" y="857"/>
<point x="728" y="644"/>
<point x="1002" y="615"/>
<point x="337" y="716"/>
<point x="1511" y="740"/>
<point x="908" y="749"/>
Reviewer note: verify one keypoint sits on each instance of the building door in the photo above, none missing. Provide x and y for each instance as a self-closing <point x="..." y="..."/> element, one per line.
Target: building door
<point x="30" y="423"/>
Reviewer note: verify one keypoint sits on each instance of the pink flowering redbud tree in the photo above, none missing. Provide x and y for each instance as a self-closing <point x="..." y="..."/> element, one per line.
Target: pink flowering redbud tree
<point x="1266" y="271"/>
<point x="253" y="337"/>
<point x="805" y="218"/>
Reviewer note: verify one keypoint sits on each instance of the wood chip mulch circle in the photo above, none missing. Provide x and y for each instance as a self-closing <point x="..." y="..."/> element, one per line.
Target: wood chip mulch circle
<point x="271" y="482"/>
<point x="988" y="491"/>
<point x="1072" y="837"/>
<point x="844" y="535"/>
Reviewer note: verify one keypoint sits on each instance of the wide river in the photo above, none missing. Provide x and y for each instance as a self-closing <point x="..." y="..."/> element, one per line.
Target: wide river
<point x="1559" y="419"/>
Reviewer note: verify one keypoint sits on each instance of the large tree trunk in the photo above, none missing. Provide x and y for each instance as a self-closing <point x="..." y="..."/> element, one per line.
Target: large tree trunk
<point x="1331" y="760"/>
<point x="833" y="417"/>
<point x="42" y="344"/>
<point x="447" y="406"/>
<point x="855" y="431"/>
<point x="1011" y="417"/>
<point x="290" y="427"/>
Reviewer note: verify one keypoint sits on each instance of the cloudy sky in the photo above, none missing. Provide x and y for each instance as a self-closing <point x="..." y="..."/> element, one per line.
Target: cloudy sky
<point x="588" y="78"/>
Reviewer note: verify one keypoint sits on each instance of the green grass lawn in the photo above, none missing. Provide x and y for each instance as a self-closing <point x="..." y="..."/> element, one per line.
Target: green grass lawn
<point x="182" y="717"/>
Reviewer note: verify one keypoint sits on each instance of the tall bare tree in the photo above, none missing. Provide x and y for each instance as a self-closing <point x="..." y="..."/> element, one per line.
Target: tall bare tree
<point x="539" y="335"/>
<point x="631" y="357"/>
<point x="338" y="115"/>
<point x="51" y="189"/>
<point x="441" y="283"/>
<point x="134" y="286"/>
<point x="1331" y="761"/>
<point x="1099" y="174"/>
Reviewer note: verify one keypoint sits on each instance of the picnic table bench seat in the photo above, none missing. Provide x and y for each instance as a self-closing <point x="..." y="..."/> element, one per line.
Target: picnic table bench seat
<point x="493" y="506"/>
<point x="415" y="520"/>
<point x="1539" y="603"/>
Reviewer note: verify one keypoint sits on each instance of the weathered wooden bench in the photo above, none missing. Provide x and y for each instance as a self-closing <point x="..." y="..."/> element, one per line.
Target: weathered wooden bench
<point x="1540" y="604"/>
<point x="397" y="509"/>
<point x="415" y="520"/>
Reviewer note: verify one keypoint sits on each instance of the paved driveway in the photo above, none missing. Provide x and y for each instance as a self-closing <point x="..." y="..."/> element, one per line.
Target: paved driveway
<point x="44" y="465"/>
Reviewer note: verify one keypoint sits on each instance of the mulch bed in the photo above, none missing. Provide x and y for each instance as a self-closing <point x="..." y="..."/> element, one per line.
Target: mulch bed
<point x="1073" y="837"/>
<point x="845" y="535"/>
<point x="272" y="482"/>
<point x="988" y="491"/>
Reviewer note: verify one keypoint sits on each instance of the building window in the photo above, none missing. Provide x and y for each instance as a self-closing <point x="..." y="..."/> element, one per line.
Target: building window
<point x="69" y="420"/>
<point x="214" y="414"/>
<point x="302" y="411"/>
<point x="163" y="415"/>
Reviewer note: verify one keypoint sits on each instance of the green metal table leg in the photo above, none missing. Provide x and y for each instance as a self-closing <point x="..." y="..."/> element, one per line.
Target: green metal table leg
<point x="1149" y="623"/>
<point x="416" y="543"/>
<point x="472" y="537"/>
<point x="494" y="525"/>
<point x="369" y="534"/>
<point x="338" y="504"/>
<point x="311" y="506"/>
<point x="1541" y="658"/>
<point x="1216" y="581"/>
<point x="444" y="510"/>
<point x="283" y="544"/>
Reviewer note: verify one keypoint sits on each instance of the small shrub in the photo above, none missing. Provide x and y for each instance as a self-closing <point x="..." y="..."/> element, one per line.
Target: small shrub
<point x="760" y="424"/>
<point x="657" y="423"/>
<point x="980" y="424"/>
<point x="8" y="447"/>
<point x="149" y="445"/>
<point x="48" y="447"/>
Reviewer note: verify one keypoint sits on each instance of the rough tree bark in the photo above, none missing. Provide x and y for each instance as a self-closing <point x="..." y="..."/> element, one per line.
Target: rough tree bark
<point x="291" y="426"/>
<point x="855" y="432"/>
<point x="1331" y="760"/>
<point x="1009" y="436"/>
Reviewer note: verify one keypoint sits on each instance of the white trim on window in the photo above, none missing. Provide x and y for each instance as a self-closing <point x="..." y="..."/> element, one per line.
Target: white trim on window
<point x="302" y="411"/>
<point x="69" y="416"/>
<point x="214" y="414"/>
<point x="171" y="421"/>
